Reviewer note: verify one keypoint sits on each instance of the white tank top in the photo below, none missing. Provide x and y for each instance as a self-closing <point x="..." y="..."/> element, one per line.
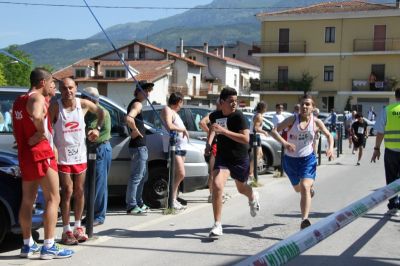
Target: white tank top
<point x="70" y="136"/>
<point x="181" y="142"/>
<point x="302" y="138"/>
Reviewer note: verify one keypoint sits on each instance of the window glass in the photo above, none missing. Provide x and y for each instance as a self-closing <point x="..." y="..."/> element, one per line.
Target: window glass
<point x="329" y="34"/>
<point x="328" y="73"/>
<point x="197" y="115"/>
<point x="6" y="102"/>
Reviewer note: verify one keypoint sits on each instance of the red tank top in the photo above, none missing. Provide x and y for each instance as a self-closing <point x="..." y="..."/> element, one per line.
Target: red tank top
<point x="24" y="129"/>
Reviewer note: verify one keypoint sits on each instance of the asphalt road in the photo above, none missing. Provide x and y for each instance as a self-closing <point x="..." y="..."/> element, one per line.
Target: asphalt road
<point x="182" y="239"/>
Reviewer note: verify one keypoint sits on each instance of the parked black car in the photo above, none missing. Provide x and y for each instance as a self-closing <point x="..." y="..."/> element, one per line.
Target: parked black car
<point x="11" y="195"/>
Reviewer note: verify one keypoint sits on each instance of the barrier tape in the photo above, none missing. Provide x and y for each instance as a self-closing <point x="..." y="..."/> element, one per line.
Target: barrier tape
<point x="296" y="244"/>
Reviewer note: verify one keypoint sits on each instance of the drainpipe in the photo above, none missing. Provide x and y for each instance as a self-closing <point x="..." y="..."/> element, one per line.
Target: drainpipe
<point x="181" y="49"/>
<point x="223" y="51"/>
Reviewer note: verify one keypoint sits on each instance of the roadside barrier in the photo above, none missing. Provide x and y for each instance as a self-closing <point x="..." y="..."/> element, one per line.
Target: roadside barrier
<point x="296" y="244"/>
<point x="171" y="159"/>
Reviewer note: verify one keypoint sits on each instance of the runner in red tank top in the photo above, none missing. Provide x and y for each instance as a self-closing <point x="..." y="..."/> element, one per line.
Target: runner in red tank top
<point x="38" y="167"/>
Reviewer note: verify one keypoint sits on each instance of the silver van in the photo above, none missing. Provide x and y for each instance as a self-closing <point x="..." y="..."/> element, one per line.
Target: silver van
<point x="155" y="190"/>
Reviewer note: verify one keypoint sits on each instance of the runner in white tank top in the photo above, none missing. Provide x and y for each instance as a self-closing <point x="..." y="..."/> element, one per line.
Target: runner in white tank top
<point x="173" y="122"/>
<point x="68" y="114"/>
<point x="302" y="138"/>
<point x="299" y="161"/>
<point x="70" y="137"/>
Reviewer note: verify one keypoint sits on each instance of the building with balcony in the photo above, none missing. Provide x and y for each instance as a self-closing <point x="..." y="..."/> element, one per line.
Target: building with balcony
<point x="345" y="54"/>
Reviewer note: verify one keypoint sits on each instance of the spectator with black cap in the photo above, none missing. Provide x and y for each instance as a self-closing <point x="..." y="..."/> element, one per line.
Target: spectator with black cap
<point x="103" y="155"/>
<point x="137" y="150"/>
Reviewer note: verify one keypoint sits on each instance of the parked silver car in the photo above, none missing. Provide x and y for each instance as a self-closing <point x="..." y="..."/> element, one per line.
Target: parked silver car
<point x="155" y="190"/>
<point x="192" y="115"/>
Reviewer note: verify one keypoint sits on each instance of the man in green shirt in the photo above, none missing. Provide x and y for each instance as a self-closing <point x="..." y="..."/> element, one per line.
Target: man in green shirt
<point x="103" y="156"/>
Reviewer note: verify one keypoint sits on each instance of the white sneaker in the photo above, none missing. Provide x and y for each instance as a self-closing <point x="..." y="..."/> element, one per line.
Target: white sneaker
<point x="178" y="206"/>
<point x="216" y="230"/>
<point x="393" y="212"/>
<point x="255" y="204"/>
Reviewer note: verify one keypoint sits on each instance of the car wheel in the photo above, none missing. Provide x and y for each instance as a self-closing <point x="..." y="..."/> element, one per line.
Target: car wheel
<point x="263" y="163"/>
<point x="155" y="191"/>
<point x="4" y="222"/>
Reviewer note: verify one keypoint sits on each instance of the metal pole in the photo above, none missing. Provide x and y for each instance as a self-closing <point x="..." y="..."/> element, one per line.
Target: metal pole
<point x="337" y="142"/>
<point x="282" y="157"/>
<point x="256" y="137"/>
<point x="172" y="149"/>
<point x="341" y="138"/>
<point x="319" y="150"/>
<point x="91" y="188"/>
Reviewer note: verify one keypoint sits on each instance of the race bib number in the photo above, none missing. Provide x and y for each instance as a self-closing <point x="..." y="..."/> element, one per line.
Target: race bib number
<point x="223" y="122"/>
<point x="360" y="130"/>
<point x="73" y="154"/>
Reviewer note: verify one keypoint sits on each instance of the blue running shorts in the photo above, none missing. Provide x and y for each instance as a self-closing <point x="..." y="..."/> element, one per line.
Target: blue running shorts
<point x="298" y="168"/>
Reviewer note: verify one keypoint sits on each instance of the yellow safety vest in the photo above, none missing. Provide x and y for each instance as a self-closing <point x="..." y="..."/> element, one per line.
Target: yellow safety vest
<point x="392" y="128"/>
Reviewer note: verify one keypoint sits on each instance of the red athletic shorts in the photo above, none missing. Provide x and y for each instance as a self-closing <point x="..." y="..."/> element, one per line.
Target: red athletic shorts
<point x="32" y="171"/>
<point x="72" y="169"/>
<point x="214" y="149"/>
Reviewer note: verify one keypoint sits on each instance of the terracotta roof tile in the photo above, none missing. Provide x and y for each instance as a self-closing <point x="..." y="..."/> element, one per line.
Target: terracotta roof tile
<point x="149" y="70"/>
<point x="331" y="7"/>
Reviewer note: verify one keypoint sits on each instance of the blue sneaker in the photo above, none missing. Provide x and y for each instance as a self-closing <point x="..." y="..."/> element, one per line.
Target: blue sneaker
<point x="55" y="252"/>
<point x="27" y="251"/>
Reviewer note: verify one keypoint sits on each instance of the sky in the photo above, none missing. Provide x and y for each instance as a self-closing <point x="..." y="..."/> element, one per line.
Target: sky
<point x="21" y="24"/>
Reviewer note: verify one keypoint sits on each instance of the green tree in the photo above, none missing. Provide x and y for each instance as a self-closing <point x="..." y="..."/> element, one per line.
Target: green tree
<point x="3" y="80"/>
<point x="16" y="74"/>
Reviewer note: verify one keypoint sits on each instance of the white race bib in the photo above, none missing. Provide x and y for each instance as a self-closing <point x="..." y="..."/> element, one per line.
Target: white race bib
<point x="360" y="130"/>
<point x="223" y="122"/>
<point x="72" y="153"/>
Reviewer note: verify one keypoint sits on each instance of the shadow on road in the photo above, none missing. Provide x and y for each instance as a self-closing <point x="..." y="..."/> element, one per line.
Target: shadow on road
<point x="196" y="233"/>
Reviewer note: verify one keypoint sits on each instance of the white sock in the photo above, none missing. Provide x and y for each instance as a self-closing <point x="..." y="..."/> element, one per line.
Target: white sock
<point x="48" y="243"/>
<point x="67" y="228"/>
<point x="29" y="241"/>
<point x="217" y="223"/>
<point x="77" y="224"/>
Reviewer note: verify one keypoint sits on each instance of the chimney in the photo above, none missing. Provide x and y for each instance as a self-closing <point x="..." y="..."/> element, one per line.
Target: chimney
<point x="216" y="52"/>
<point x="182" y="54"/>
<point x="166" y="54"/>
<point x="223" y="51"/>
<point x="206" y="48"/>
<point x="96" y="68"/>
<point x="397" y="4"/>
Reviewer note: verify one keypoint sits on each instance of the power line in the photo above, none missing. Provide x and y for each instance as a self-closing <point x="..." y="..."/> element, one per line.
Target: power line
<point x="158" y="7"/>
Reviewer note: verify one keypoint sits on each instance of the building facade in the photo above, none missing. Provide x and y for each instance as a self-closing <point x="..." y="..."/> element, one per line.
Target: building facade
<point x="345" y="54"/>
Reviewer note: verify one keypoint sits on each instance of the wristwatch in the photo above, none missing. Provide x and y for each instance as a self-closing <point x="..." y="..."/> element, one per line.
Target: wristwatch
<point x="98" y="128"/>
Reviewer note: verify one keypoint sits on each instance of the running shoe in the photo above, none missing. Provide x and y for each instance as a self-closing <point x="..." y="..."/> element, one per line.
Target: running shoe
<point x="136" y="211"/>
<point x="80" y="235"/>
<point x="144" y="208"/>
<point x="28" y="251"/>
<point x="55" y="252"/>
<point x="178" y="206"/>
<point x="393" y="212"/>
<point x="255" y="204"/>
<point x="305" y="223"/>
<point x="216" y="230"/>
<point x="68" y="238"/>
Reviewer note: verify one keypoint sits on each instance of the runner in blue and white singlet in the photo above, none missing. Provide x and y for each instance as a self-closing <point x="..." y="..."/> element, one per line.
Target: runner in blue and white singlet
<point x="299" y="161"/>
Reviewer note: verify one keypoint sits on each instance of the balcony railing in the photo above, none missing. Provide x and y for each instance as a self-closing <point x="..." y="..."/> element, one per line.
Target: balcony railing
<point x="363" y="85"/>
<point x="178" y="88"/>
<point x="276" y="85"/>
<point x="279" y="47"/>
<point x="371" y="45"/>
